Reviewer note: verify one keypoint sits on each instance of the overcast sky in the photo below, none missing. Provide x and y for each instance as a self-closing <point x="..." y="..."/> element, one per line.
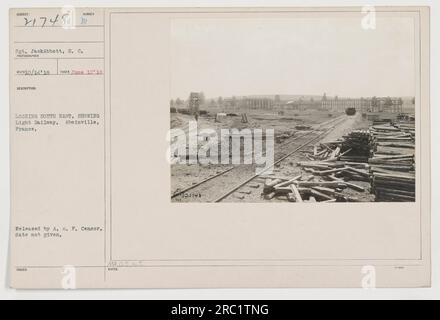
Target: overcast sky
<point x="225" y="57"/>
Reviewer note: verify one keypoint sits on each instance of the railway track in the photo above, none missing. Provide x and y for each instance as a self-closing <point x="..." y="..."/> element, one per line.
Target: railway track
<point x="212" y="189"/>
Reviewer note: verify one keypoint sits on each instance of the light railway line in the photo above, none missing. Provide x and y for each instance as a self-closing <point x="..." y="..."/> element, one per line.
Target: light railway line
<point x="212" y="188"/>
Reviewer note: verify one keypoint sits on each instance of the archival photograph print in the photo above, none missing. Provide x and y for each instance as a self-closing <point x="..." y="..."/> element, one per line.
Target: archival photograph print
<point x="293" y="110"/>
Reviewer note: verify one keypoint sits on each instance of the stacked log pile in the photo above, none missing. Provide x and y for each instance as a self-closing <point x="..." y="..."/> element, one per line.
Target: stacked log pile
<point x="392" y="164"/>
<point x="360" y="144"/>
<point x="382" y="156"/>
<point x="327" y="151"/>
<point x="307" y="189"/>
<point x="381" y="121"/>
<point x="323" y="181"/>
<point x="392" y="136"/>
<point x="407" y="128"/>
<point x="393" y="187"/>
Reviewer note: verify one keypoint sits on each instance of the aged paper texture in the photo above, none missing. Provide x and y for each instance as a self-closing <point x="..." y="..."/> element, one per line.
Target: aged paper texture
<point x="227" y="147"/>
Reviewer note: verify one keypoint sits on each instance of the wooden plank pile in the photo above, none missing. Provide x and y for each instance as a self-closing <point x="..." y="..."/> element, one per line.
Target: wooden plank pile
<point x="407" y="127"/>
<point x="306" y="189"/>
<point x="392" y="136"/>
<point x="333" y="167"/>
<point x="356" y="146"/>
<point x="399" y="163"/>
<point x="392" y="165"/>
<point x="382" y="156"/>
<point x="342" y="170"/>
<point x="381" y="121"/>
<point x="324" y="151"/>
<point x="322" y="181"/>
<point x="393" y="187"/>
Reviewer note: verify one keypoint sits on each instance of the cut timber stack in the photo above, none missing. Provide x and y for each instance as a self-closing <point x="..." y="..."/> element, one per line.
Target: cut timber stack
<point x="393" y="187"/>
<point x="307" y="189"/>
<point x="407" y="128"/>
<point x="324" y="181"/>
<point x="327" y="151"/>
<point x="360" y="143"/>
<point x="392" y="165"/>
<point x="400" y="162"/>
<point x="389" y="136"/>
<point x="347" y="171"/>
<point x="381" y="159"/>
<point x="333" y="167"/>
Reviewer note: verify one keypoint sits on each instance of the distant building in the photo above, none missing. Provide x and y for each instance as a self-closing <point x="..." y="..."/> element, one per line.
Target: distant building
<point x="257" y="103"/>
<point x="374" y="104"/>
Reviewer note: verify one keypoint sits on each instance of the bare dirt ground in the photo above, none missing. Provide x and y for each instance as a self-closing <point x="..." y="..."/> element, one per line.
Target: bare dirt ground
<point x="257" y="119"/>
<point x="184" y="175"/>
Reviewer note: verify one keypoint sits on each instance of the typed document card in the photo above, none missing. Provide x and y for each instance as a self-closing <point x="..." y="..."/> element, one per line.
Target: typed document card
<point x="219" y="148"/>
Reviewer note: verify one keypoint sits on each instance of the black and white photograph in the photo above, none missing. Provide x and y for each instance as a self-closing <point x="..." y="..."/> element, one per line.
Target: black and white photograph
<point x="293" y="110"/>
